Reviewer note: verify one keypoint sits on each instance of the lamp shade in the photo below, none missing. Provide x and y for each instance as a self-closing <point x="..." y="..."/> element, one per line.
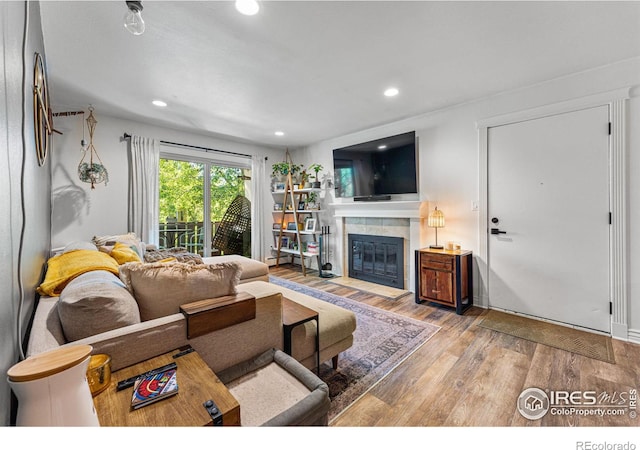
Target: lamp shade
<point x="435" y="219"/>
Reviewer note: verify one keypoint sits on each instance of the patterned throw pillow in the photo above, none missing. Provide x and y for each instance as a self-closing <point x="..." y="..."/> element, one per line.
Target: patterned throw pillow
<point x="179" y="254"/>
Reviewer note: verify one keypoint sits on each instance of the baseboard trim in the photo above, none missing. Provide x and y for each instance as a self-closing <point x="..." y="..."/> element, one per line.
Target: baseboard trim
<point x="633" y="336"/>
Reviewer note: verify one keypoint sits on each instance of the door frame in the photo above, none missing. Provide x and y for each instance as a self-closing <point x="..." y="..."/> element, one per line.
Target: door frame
<point x="618" y="235"/>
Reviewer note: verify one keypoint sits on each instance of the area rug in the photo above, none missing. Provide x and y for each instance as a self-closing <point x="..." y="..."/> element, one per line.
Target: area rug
<point x="583" y="343"/>
<point x="381" y="342"/>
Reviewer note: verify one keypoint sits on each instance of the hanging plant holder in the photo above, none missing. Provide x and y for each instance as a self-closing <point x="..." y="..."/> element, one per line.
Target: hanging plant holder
<point x="95" y="173"/>
<point x="92" y="171"/>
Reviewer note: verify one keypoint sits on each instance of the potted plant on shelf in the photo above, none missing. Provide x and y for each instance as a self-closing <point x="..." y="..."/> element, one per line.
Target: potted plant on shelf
<point x="312" y="201"/>
<point x="304" y="179"/>
<point x="280" y="170"/>
<point x="316" y="168"/>
<point x="296" y="169"/>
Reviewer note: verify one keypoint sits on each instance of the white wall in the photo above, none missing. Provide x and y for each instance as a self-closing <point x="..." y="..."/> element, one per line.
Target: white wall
<point x="448" y="165"/>
<point x="19" y="168"/>
<point x="79" y="212"/>
<point x="449" y="152"/>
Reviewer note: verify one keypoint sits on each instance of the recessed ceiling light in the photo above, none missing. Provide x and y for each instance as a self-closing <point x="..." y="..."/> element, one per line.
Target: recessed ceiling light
<point x="391" y="92"/>
<point x="159" y="103"/>
<point x="279" y="133"/>
<point x="381" y="147"/>
<point x="247" y="7"/>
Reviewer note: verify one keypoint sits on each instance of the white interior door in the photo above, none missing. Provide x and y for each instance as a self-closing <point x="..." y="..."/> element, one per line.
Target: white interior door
<point x="548" y="191"/>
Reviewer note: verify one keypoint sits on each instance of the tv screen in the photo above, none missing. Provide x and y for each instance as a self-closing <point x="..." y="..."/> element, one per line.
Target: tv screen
<point x="377" y="168"/>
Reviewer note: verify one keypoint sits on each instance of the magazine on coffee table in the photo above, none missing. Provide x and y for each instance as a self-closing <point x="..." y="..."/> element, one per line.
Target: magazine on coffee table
<point x="154" y="387"/>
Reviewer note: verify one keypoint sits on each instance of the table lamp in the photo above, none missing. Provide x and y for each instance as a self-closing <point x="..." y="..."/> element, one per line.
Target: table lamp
<point x="436" y="220"/>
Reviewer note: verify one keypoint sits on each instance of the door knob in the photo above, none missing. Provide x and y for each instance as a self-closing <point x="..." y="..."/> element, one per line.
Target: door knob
<point x="497" y="231"/>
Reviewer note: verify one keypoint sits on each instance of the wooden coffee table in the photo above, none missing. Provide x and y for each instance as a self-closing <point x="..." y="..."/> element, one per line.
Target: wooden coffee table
<point x="196" y="384"/>
<point x="294" y="314"/>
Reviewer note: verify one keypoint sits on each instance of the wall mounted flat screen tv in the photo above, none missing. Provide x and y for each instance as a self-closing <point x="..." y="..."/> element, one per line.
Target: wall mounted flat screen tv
<point x="377" y="169"/>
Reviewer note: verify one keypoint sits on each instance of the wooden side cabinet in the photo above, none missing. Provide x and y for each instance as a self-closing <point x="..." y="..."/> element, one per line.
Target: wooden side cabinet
<point x="444" y="277"/>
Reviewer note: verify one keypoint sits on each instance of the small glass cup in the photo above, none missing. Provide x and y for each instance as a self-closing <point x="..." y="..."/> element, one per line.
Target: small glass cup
<point x="99" y="373"/>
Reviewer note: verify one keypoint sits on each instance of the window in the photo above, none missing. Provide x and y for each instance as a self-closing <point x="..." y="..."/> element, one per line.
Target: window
<point x="192" y="188"/>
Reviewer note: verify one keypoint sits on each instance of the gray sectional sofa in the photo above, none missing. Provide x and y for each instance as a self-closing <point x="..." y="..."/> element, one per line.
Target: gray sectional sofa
<point x="133" y="318"/>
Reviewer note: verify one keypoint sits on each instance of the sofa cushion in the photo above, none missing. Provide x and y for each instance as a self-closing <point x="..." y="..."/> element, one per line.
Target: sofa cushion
<point x="276" y="390"/>
<point x="124" y="254"/>
<point x="95" y="302"/>
<point x="250" y="267"/>
<point x="129" y="239"/>
<point x="161" y="288"/>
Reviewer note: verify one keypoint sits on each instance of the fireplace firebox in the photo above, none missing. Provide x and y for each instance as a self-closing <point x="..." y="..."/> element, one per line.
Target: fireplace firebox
<point x="378" y="259"/>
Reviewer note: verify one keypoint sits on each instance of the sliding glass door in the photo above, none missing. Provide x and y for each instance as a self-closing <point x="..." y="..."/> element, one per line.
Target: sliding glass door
<point x="192" y="189"/>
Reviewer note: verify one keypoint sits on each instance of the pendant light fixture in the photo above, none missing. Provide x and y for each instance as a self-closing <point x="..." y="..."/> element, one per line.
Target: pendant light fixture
<point x="92" y="172"/>
<point x="133" y="19"/>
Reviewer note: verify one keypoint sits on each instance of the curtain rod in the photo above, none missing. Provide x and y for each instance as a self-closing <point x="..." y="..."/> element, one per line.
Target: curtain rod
<point x="128" y="136"/>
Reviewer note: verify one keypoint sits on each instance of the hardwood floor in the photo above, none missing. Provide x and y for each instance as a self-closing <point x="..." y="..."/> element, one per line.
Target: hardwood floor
<point x="466" y="375"/>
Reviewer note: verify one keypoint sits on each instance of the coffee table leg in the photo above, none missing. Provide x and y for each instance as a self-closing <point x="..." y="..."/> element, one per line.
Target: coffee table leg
<point x="318" y="344"/>
<point x="287" y="339"/>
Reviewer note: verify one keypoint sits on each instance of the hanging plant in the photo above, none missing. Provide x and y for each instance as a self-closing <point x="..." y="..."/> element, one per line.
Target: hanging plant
<point x="92" y="172"/>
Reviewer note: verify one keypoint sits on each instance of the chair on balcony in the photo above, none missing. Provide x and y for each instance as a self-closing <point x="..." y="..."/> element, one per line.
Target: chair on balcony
<point x="233" y="235"/>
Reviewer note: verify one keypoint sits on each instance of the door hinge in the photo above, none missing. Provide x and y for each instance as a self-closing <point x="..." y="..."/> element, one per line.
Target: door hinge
<point x="609" y="128"/>
<point x="610" y="218"/>
<point x="610" y="308"/>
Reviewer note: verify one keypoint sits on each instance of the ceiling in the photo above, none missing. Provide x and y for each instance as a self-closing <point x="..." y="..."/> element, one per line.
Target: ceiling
<point x="317" y="69"/>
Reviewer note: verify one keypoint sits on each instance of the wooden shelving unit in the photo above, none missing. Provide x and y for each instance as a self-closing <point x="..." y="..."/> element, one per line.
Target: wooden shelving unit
<point x="295" y="240"/>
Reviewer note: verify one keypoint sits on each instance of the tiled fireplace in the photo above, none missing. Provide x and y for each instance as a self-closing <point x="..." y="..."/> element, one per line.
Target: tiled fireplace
<point x="379" y="259"/>
<point x="405" y="220"/>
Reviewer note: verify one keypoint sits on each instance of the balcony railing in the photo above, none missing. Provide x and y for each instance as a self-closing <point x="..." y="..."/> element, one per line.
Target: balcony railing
<point x="189" y="235"/>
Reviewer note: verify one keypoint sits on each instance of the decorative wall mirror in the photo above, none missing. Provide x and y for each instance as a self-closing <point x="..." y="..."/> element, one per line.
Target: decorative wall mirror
<point x="42" y="117"/>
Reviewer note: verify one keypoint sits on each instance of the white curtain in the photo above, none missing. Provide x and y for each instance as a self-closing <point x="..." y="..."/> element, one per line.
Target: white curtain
<point x="258" y="186"/>
<point x="143" y="188"/>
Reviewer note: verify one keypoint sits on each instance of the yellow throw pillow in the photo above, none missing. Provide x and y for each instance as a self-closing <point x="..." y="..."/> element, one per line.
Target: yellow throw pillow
<point x="124" y="254"/>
